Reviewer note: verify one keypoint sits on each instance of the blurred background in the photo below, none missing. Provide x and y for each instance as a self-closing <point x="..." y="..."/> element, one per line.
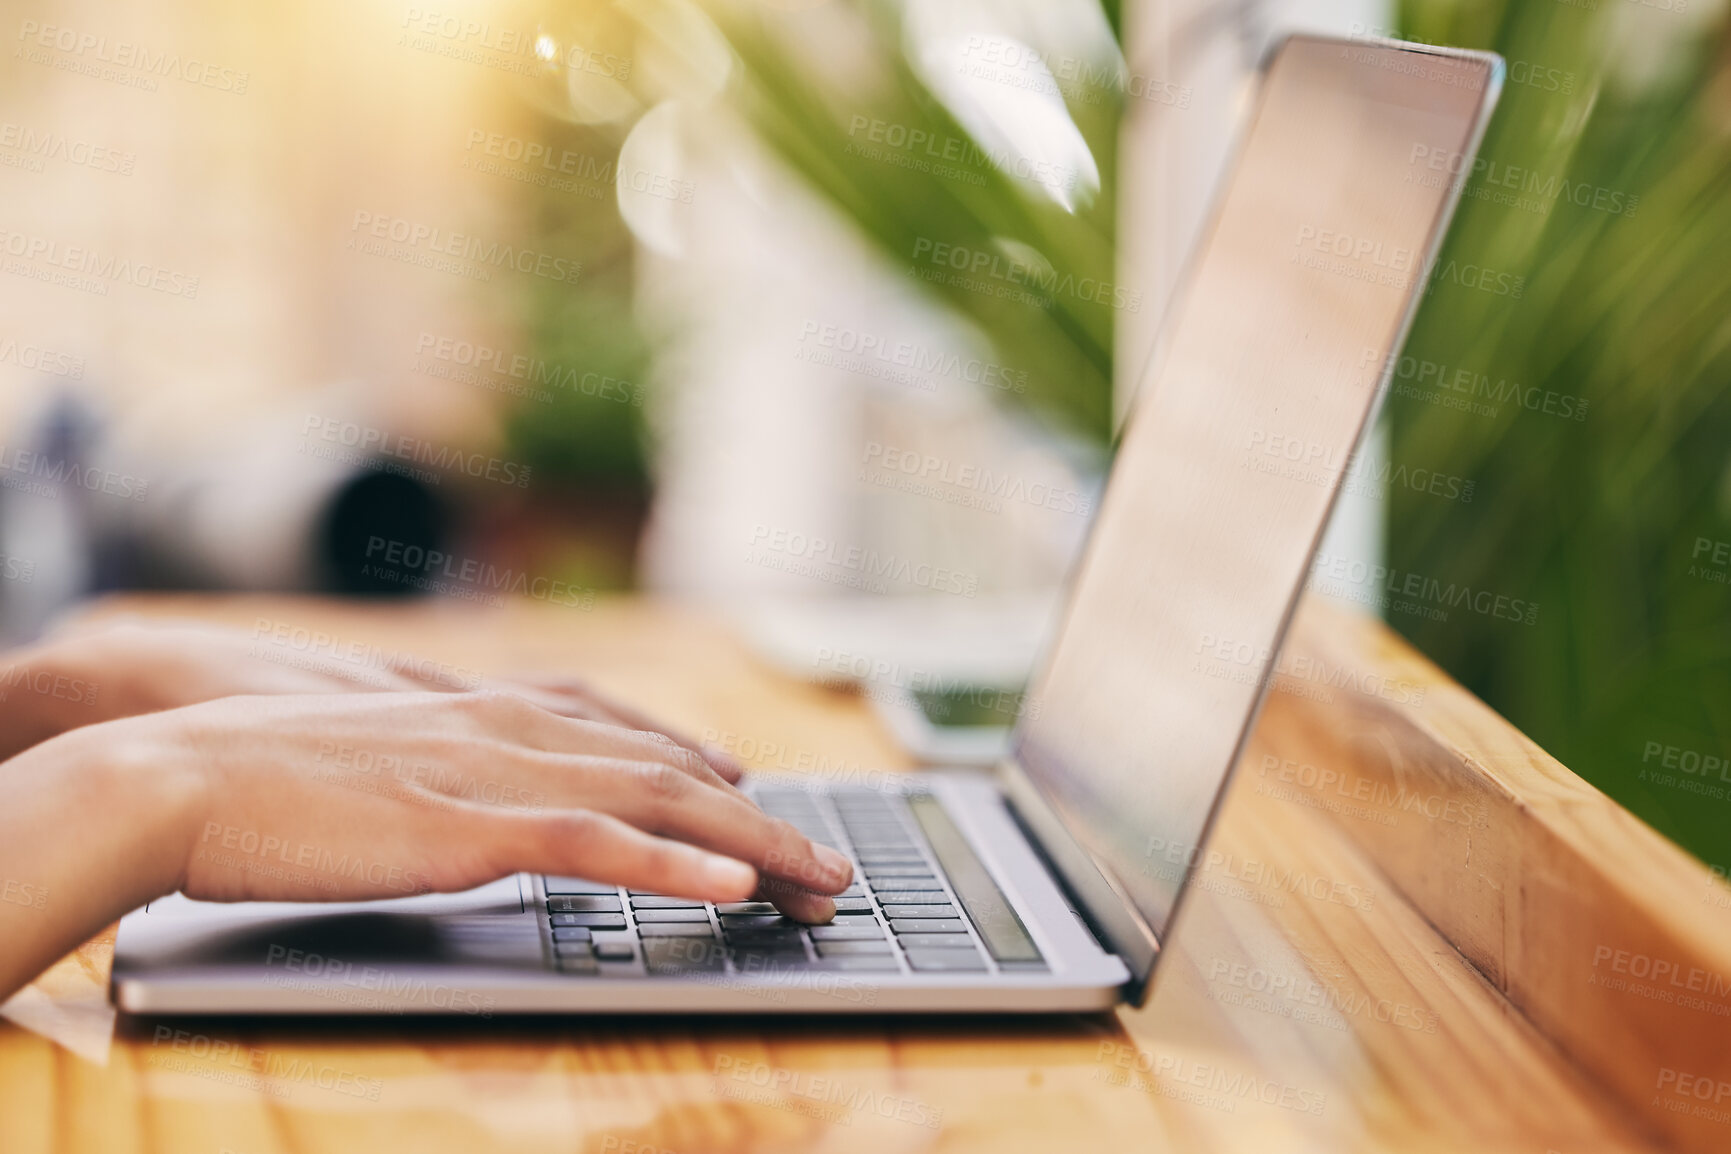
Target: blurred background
<point x="825" y="313"/>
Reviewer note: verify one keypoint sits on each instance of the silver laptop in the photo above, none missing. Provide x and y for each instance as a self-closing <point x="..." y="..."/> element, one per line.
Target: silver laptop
<point x="1048" y="884"/>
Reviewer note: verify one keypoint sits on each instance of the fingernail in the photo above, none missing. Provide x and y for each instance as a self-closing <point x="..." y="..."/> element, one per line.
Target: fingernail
<point x="726" y="876"/>
<point x="839" y="868"/>
<point x="822" y="910"/>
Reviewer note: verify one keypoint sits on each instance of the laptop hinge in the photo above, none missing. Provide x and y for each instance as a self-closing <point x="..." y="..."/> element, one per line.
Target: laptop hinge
<point x="1102" y="906"/>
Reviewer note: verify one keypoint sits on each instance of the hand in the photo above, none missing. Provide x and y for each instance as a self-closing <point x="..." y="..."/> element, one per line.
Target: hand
<point x="358" y="796"/>
<point x="136" y="665"/>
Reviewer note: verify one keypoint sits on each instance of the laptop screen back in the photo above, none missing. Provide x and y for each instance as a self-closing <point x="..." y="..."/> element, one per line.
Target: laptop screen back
<point x="1244" y="428"/>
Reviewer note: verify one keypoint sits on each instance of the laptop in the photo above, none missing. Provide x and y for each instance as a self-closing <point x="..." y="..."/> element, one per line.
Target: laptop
<point x="1048" y="883"/>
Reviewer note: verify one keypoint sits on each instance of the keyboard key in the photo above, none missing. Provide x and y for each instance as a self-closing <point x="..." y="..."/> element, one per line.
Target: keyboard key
<point x="756" y="921"/>
<point x="660" y="903"/>
<point x="910" y="869"/>
<point x="913" y="897"/>
<point x="675" y="930"/>
<point x="853" y="906"/>
<point x="646" y="917"/>
<point x="848" y="948"/>
<point x="890" y="885"/>
<point x="583" y="905"/>
<point x="933" y="941"/>
<point x="617" y="950"/>
<point x="895" y="910"/>
<point x="556" y="885"/>
<point x="564" y="946"/>
<point x="567" y="919"/>
<point x="682" y="955"/>
<point x="577" y="964"/>
<point x="571" y="933"/>
<point x="768" y="962"/>
<point x="864" y="931"/>
<point x="746" y="908"/>
<point x="928" y="925"/>
<point x="859" y="962"/>
<point x="597" y="921"/>
<point x="946" y="961"/>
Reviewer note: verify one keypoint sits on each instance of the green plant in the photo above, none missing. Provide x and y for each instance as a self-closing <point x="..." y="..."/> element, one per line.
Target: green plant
<point x="1593" y="411"/>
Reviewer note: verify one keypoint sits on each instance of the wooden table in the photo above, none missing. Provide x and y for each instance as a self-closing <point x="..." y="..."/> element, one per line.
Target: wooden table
<point x="1397" y="946"/>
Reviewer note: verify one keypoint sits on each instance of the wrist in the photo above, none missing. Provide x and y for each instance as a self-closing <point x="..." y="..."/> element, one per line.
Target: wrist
<point x="93" y="823"/>
<point x="138" y="779"/>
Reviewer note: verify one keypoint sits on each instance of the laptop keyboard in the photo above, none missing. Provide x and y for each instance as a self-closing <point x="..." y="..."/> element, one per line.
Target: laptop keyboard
<point x="901" y="915"/>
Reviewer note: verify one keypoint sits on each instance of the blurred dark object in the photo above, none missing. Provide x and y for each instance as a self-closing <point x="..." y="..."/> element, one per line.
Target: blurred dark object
<point x="81" y="514"/>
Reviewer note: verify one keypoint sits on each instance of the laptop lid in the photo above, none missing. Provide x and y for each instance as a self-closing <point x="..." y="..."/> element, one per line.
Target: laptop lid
<point x="1271" y="363"/>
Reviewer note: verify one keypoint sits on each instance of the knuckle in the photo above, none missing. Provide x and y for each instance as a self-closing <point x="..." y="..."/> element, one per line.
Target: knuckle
<point x="662" y="782"/>
<point x="689" y="761"/>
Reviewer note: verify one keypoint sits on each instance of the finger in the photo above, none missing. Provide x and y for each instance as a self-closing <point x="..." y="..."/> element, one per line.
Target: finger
<point x="645" y="745"/>
<point x="657" y="797"/>
<point x="584" y="843"/>
<point x="574" y="698"/>
<point x="796" y="902"/>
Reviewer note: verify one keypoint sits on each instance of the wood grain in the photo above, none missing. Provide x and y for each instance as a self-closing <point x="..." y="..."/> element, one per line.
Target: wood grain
<point x="1304" y="1003"/>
